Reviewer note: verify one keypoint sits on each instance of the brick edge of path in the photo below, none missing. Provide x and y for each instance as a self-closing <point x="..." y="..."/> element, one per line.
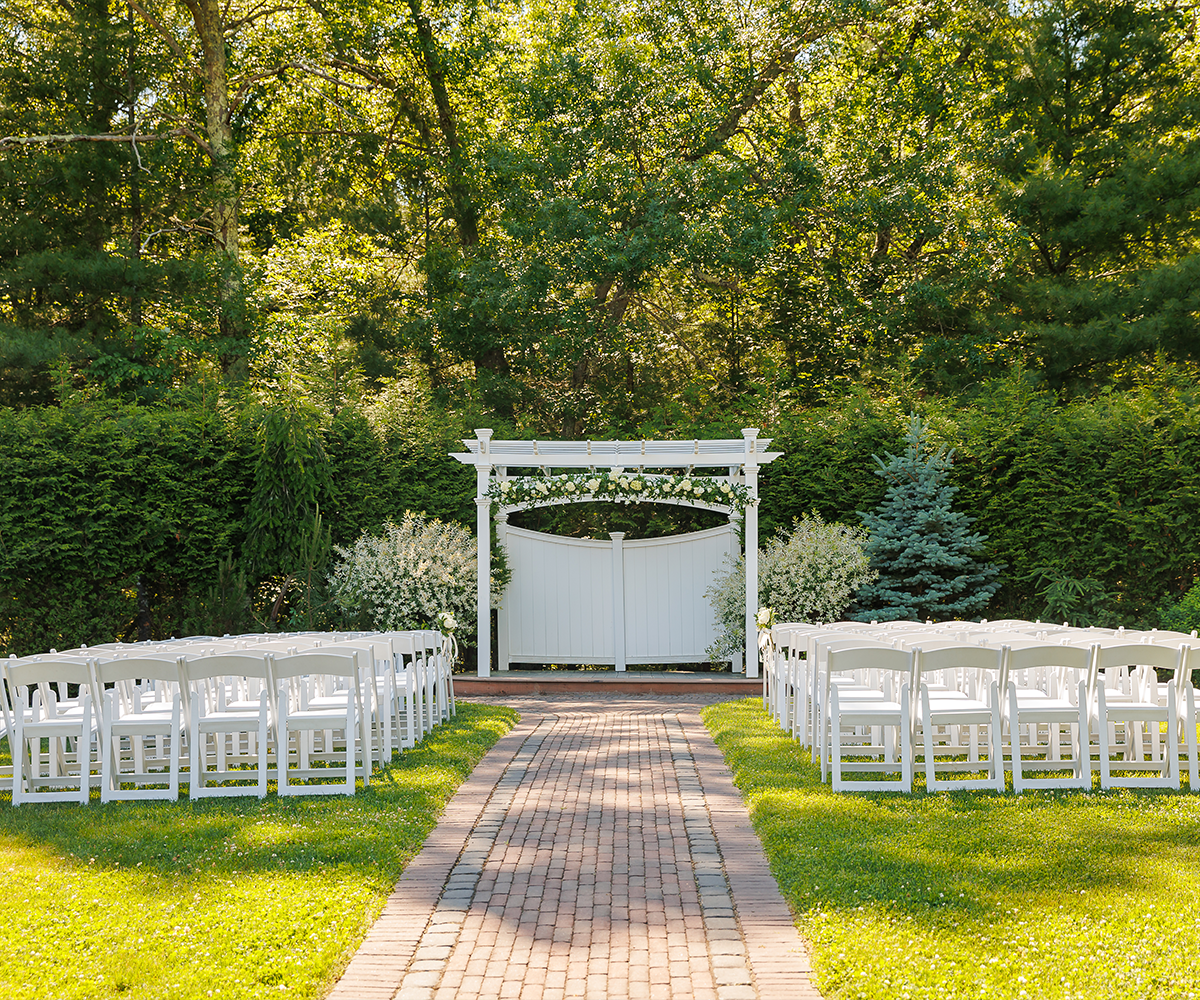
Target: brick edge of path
<point x="778" y="957"/>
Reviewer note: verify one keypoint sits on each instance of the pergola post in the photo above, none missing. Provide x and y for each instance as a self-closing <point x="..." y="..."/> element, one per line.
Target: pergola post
<point x="483" y="563"/>
<point x="750" y="436"/>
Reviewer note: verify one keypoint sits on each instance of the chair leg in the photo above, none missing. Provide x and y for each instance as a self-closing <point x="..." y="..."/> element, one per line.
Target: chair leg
<point x="835" y="739"/>
<point x="196" y="743"/>
<point x="1104" y="732"/>
<point x="351" y="761"/>
<point x="1189" y="735"/>
<point x="176" y="739"/>
<point x="1084" y="747"/>
<point x="927" y="732"/>
<point x="109" y="760"/>
<point x="262" y="745"/>
<point x="1014" y="729"/>
<point x="996" y="742"/>
<point x="1171" y="747"/>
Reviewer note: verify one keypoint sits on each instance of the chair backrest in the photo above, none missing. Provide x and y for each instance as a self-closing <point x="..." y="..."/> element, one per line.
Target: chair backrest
<point x="929" y="639"/>
<point x="51" y="670"/>
<point x="958" y="666"/>
<point x="54" y="674"/>
<point x="1044" y="654"/>
<point x="151" y="668"/>
<point x="1114" y="658"/>
<point x="955" y="656"/>
<point x="331" y="662"/>
<point x="894" y="666"/>
<point x="244" y="663"/>
<point x="1137" y="654"/>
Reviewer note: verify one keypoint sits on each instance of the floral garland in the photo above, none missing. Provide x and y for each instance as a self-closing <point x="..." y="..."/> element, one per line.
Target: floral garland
<point x="619" y="486"/>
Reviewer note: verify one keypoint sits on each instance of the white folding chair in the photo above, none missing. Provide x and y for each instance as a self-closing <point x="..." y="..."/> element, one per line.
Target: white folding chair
<point x="141" y="729"/>
<point x="889" y="716"/>
<point x="309" y="705"/>
<point x="960" y="714"/>
<point x="379" y="689"/>
<point x="851" y="684"/>
<point x="228" y="726"/>
<point x="1038" y="680"/>
<point x="407" y="689"/>
<point x="1133" y="699"/>
<point x="67" y="723"/>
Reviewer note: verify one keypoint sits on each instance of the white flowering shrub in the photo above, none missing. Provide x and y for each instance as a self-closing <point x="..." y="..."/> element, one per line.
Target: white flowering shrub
<point x="807" y="575"/>
<point x="419" y="573"/>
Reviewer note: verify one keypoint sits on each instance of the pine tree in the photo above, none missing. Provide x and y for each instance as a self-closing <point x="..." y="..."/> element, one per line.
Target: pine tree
<point x="926" y="555"/>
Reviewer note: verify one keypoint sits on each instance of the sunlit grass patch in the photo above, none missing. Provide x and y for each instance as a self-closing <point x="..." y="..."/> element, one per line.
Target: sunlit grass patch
<point x="1050" y="895"/>
<point x="228" y="898"/>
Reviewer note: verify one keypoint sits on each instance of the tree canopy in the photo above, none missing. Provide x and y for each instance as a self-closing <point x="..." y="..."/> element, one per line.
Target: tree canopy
<point x="590" y="218"/>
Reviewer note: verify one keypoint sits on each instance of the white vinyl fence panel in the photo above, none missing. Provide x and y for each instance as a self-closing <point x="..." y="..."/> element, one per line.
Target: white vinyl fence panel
<point x="586" y="601"/>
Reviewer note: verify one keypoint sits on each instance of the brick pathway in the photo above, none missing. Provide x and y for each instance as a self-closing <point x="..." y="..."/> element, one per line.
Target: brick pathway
<point x="599" y="850"/>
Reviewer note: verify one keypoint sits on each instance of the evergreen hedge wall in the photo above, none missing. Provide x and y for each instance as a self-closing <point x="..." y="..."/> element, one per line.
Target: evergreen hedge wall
<point x="1093" y="507"/>
<point x="115" y="520"/>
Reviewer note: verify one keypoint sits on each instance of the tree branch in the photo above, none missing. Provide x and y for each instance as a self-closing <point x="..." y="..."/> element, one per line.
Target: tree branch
<point x="54" y="140"/>
<point x="784" y="57"/>
<point x="158" y="26"/>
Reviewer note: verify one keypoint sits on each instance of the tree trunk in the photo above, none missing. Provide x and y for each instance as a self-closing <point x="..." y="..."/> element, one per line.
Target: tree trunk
<point x="210" y="27"/>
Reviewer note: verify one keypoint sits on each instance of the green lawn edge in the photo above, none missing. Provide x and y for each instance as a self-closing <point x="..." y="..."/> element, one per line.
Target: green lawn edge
<point x="228" y="898"/>
<point x="1050" y="895"/>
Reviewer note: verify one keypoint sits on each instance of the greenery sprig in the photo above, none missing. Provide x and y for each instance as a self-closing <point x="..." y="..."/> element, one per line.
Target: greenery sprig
<point x="619" y="486"/>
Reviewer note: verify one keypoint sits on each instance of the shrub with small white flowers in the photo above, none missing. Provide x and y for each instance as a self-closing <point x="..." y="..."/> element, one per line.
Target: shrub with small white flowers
<point x="809" y="574"/>
<point x="419" y="573"/>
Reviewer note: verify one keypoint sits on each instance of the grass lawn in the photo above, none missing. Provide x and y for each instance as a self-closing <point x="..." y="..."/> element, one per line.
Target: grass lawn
<point x="969" y="894"/>
<point x="233" y="899"/>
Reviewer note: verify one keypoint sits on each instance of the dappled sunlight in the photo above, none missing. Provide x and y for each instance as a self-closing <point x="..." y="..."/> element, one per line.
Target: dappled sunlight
<point x="1050" y="894"/>
<point x="176" y="899"/>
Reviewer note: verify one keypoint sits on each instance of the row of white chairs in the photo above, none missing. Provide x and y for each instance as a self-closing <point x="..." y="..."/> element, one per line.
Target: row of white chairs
<point x="970" y="701"/>
<point x="239" y="710"/>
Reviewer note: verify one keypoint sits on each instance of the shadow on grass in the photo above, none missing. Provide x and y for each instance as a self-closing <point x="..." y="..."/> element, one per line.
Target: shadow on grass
<point x="922" y="855"/>
<point x="374" y="832"/>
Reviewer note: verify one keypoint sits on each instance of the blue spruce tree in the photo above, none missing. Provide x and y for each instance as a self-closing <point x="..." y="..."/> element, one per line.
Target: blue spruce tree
<point x="925" y="552"/>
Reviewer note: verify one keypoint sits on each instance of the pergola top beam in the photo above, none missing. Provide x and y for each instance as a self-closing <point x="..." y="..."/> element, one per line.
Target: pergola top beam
<point x="700" y="454"/>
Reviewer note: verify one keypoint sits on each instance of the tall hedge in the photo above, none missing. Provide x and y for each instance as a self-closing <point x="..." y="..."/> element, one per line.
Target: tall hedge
<point x="1092" y="506"/>
<point x="103" y="503"/>
<point x="118" y="521"/>
<point x="114" y="519"/>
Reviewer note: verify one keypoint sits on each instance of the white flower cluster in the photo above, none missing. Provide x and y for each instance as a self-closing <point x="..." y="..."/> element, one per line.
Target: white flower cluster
<point x="808" y="575"/>
<point x="419" y="574"/>
<point x="619" y="487"/>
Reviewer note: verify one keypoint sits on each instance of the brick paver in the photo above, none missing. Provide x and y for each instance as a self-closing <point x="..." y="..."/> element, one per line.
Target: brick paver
<point x="599" y="850"/>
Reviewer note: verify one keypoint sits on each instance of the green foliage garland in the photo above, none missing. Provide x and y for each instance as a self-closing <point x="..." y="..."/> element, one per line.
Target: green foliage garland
<point x="620" y="487"/>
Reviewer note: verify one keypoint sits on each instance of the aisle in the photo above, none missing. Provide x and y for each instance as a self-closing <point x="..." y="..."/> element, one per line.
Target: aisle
<point x="599" y="850"/>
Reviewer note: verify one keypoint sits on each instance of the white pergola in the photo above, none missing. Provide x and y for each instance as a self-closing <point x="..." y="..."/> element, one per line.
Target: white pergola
<point x="733" y="460"/>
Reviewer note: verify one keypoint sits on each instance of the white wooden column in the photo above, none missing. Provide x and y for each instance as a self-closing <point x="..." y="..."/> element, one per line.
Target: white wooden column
<point x="618" y="588"/>
<point x="502" y="623"/>
<point x="735" y="659"/>
<point x="483" y="562"/>
<point x="749" y="436"/>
